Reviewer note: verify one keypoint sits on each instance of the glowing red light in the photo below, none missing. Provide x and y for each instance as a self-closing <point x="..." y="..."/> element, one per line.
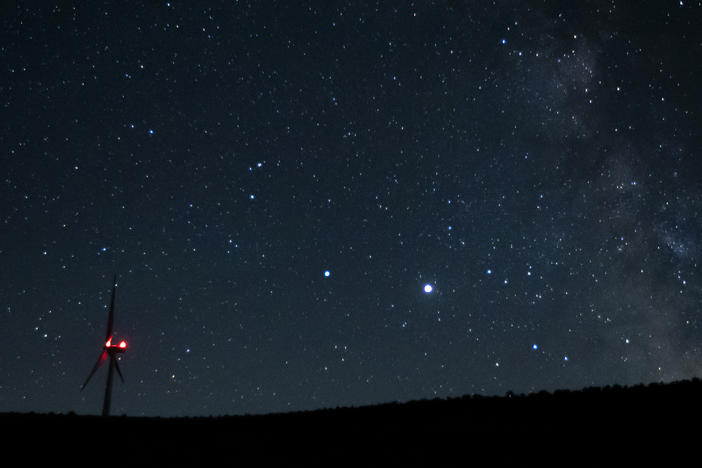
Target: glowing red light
<point x="123" y="344"/>
<point x="108" y="343"/>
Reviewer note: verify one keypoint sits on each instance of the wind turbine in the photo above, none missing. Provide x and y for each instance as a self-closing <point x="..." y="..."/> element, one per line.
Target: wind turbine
<point x="109" y="350"/>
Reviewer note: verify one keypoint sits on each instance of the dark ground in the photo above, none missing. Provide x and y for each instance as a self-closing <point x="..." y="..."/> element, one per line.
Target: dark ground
<point x="658" y="423"/>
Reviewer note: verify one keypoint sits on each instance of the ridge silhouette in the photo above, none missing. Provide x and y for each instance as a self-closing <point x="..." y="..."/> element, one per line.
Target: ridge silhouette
<point x="643" y="422"/>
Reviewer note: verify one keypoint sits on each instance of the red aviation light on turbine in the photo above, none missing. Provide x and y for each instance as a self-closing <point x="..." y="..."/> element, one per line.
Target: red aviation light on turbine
<point x="122" y="344"/>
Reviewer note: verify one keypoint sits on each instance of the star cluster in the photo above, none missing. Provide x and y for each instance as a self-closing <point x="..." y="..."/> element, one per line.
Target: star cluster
<point x="317" y="204"/>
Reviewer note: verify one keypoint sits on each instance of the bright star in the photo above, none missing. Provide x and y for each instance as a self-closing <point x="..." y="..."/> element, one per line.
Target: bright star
<point x="327" y="273"/>
<point x="428" y="288"/>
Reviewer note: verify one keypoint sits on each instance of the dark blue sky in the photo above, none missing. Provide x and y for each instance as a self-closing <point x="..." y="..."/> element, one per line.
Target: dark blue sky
<point x="536" y="164"/>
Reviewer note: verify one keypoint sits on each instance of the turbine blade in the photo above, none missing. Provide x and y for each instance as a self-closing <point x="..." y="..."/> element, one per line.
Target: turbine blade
<point x="111" y="312"/>
<point x="102" y="357"/>
<point x="119" y="372"/>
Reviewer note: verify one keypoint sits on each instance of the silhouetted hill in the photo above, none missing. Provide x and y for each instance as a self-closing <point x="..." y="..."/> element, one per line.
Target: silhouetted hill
<point x="657" y="422"/>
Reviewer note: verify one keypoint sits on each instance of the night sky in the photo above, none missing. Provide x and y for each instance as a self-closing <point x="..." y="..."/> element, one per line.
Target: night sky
<point x="314" y="204"/>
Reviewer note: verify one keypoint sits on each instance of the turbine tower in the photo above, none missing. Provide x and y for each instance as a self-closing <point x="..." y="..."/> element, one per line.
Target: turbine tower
<point x="111" y="351"/>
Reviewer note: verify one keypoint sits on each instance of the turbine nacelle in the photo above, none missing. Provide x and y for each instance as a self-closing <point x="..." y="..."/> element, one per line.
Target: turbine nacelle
<point x="115" y="348"/>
